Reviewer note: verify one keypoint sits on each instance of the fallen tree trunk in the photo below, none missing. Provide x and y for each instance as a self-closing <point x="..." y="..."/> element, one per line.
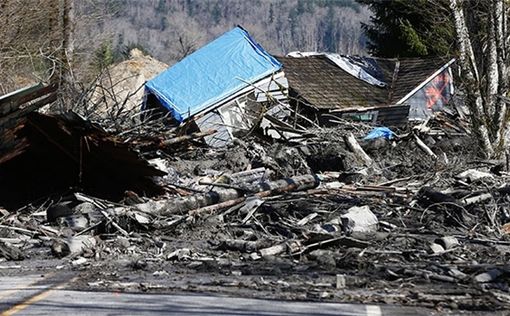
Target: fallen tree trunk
<point x="227" y="196"/>
<point x="354" y="146"/>
<point x="424" y="147"/>
<point x="185" y="138"/>
<point x="262" y="194"/>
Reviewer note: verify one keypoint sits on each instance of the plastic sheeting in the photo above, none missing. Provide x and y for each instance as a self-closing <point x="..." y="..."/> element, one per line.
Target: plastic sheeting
<point x="380" y="132"/>
<point x="432" y="97"/>
<point x="218" y="70"/>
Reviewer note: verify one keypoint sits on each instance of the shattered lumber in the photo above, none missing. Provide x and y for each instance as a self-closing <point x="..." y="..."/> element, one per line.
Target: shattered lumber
<point x="424" y="147"/>
<point x="440" y="228"/>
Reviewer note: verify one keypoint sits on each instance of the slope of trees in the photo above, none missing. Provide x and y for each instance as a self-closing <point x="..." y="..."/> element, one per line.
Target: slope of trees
<point x="170" y="29"/>
<point x="36" y="34"/>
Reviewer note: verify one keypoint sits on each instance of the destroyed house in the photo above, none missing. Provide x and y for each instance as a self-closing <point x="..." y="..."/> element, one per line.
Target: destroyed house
<point x="223" y="86"/>
<point x="374" y="90"/>
<point x="44" y="156"/>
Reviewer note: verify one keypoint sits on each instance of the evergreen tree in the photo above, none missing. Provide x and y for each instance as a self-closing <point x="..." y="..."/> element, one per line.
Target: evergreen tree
<point x="271" y="13"/>
<point x="103" y="56"/>
<point x="409" y="28"/>
<point x="216" y="13"/>
<point x="330" y="40"/>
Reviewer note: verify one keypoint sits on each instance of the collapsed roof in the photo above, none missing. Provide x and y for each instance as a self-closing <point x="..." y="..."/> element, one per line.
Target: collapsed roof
<point x="222" y="68"/>
<point x="42" y="155"/>
<point x="14" y="108"/>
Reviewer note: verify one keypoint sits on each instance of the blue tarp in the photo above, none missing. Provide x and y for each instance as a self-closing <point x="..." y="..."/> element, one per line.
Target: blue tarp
<point x="212" y="73"/>
<point x="380" y="132"/>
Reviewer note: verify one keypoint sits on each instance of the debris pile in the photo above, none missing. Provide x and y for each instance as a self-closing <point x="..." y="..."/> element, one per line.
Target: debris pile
<point x="297" y="217"/>
<point x="289" y="208"/>
<point x="120" y="87"/>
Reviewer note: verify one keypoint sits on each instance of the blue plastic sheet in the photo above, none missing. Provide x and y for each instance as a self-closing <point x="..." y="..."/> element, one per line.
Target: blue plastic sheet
<point x="380" y="132"/>
<point x="220" y="69"/>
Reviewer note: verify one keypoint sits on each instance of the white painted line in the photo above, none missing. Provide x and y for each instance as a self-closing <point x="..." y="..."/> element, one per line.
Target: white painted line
<point x="374" y="310"/>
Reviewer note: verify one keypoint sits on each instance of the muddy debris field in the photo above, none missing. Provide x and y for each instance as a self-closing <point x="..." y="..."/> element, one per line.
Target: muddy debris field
<point x="416" y="219"/>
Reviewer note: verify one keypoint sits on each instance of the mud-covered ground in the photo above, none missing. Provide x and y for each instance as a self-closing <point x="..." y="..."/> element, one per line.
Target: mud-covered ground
<point x="417" y="199"/>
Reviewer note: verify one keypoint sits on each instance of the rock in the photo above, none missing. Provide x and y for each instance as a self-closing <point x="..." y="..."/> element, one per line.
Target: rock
<point x="85" y="208"/>
<point x="488" y="276"/>
<point x="359" y="219"/>
<point x="160" y="273"/>
<point x="79" y="262"/>
<point x="122" y="242"/>
<point x="141" y="219"/>
<point x="73" y="245"/>
<point x="179" y="254"/>
<point x="456" y="273"/>
<point x="472" y="175"/>
<point x="436" y="248"/>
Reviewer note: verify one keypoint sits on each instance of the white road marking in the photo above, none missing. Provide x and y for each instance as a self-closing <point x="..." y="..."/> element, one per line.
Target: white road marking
<point x="374" y="310"/>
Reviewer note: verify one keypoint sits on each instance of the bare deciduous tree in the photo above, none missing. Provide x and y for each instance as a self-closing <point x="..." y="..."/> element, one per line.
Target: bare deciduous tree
<point x="35" y="41"/>
<point x="482" y="37"/>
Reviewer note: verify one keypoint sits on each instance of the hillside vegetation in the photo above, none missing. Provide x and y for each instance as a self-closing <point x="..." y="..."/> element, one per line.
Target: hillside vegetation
<point x="171" y="29"/>
<point x="98" y="33"/>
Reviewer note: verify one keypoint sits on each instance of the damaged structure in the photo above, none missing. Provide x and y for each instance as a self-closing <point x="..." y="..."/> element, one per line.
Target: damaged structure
<point x="373" y="90"/>
<point x="61" y="152"/>
<point x="225" y="86"/>
<point x="333" y="210"/>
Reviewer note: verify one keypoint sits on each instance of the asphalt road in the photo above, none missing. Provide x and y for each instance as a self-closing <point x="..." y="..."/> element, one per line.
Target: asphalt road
<point x="47" y="295"/>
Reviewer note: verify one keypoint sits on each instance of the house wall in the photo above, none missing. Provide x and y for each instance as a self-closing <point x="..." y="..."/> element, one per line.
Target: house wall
<point x="238" y="115"/>
<point x="390" y="116"/>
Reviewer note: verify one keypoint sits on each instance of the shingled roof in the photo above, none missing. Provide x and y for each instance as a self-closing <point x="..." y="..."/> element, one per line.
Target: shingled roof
<point x="324" y="85"/>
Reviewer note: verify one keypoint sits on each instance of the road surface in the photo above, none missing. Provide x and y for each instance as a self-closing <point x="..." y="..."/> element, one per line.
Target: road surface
<point x="48" y="295"/>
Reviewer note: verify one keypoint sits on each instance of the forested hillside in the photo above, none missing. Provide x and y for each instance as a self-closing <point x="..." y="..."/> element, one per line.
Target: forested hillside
<point x="170" y="29"/>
